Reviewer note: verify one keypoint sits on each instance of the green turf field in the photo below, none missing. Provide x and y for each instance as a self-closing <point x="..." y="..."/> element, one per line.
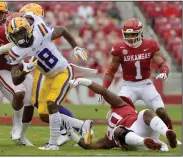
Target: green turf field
<point x="40" y="135"/>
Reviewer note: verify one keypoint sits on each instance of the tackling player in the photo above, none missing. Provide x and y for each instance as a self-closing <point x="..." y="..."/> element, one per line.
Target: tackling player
<point x="126" y="128"/>
<point x="19" y="95"/>
<point x="134" y="54"/>
<point x="38" y="42"/>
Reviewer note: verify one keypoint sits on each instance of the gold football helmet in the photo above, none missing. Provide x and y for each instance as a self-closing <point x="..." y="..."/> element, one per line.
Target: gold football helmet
<point x="34" y="8"/>
<point x="19" y="31"/>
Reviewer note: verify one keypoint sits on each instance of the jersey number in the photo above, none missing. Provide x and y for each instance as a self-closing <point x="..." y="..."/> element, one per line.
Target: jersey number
<point x="138" y="70"/>
<point x="48" y="58"/>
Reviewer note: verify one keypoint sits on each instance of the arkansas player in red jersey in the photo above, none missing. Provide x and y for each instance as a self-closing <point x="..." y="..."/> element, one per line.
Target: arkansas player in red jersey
<point x="15" y="94"/>
<point x="126" y="128"/>
<point x="134" y="54"/>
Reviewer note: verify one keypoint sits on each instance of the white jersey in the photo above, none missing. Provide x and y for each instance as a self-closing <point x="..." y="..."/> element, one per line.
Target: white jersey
<point x="50" y="60"/>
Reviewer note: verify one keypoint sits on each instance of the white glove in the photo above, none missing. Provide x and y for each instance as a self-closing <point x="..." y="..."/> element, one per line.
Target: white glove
<point x="80" y="52"/>
<point x="163" y="76"/>
<point x="28" y="67"/>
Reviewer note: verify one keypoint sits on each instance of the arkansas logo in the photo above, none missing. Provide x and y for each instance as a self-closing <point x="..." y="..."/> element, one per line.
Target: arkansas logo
<point x="125" y="52"/>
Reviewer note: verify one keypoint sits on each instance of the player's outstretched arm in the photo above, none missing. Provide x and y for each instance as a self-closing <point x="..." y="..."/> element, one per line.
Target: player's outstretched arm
<point x="109" y="96"/>
<point x="60" y="31"/>
<point x="102" y="143"/>
<point x="5" y="48"/>
<point x="112" y="69"/>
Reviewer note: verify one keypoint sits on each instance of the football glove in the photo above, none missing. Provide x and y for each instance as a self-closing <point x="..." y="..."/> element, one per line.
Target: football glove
<point x="28" y="67"/>
<point x="80" y="52"/>
<point x="163" y="76"/>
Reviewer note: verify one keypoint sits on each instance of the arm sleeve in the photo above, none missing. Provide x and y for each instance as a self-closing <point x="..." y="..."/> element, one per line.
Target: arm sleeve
<point x="14" y="57"/>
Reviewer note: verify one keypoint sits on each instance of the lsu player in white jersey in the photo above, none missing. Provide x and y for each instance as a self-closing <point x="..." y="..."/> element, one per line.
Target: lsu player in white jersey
<point x="38" y="102"/>
<point x="38" y="42"/>
<point x="79" y="125"/>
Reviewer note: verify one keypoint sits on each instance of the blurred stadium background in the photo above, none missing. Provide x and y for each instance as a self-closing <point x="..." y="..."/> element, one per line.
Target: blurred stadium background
<point x="96" y="26"/>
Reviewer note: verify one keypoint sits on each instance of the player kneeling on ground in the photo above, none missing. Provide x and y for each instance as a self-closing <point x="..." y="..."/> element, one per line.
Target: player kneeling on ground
<point x="126" y="128"/>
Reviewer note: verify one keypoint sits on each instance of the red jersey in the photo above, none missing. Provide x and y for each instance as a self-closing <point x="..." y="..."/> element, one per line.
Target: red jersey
<point x="3" y="41"/>
<point x="124" y="115"/>
<point x="136" y="62"/>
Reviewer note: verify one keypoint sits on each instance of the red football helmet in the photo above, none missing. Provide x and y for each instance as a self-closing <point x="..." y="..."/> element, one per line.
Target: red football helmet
<point x="132" y="32"/>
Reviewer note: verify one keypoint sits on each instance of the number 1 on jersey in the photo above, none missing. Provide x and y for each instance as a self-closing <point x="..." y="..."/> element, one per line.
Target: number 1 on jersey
<point x="138" y="70"/>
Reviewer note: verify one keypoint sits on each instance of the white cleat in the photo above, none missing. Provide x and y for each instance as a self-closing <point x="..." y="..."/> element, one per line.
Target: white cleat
<point x="87" y="131"/>
<point x="49" y="147"/>
<point x="24" y="141"/>
<point x="63" y="139"/>
<point x="15" y="133"/>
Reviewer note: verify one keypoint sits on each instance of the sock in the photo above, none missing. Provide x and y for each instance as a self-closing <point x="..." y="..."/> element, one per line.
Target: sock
<point x="74" y="137"/>
<point x="65" y="111"/>
<point x="134" y="139"/>
<point x="55" y="123"/>
<point x="24" y="128"/>
<point x="158" y="125"/>
<point x="17" y="118"/>
<point x="73" y="122"/>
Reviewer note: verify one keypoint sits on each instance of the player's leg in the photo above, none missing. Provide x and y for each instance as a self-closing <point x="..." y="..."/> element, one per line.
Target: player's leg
<point x="110" y="97"/>
<point x="15" y="95"/>
<point x="158" y="125"/>
<point x="153" y="99"/>
<point x="57" y="88"/>
<point x="43" y="113"/>
<point x="41" y="105"/>
<point x="27" y="113"/>
<point x="124" y="137"/>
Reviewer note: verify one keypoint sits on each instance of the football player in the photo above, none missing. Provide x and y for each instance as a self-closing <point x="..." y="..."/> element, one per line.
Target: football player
<point x="126" y="128"/>
<point x="18" y="96"/>
<point x="39" y="77"/>
<point x="38" y="42"/>
<point x="135" y="54"/>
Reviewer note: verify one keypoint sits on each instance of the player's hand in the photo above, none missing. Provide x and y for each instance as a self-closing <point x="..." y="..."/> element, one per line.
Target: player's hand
<point x="80" y="52"/>
<point x="28" y="67"/>
<point x="163" y="76"/>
